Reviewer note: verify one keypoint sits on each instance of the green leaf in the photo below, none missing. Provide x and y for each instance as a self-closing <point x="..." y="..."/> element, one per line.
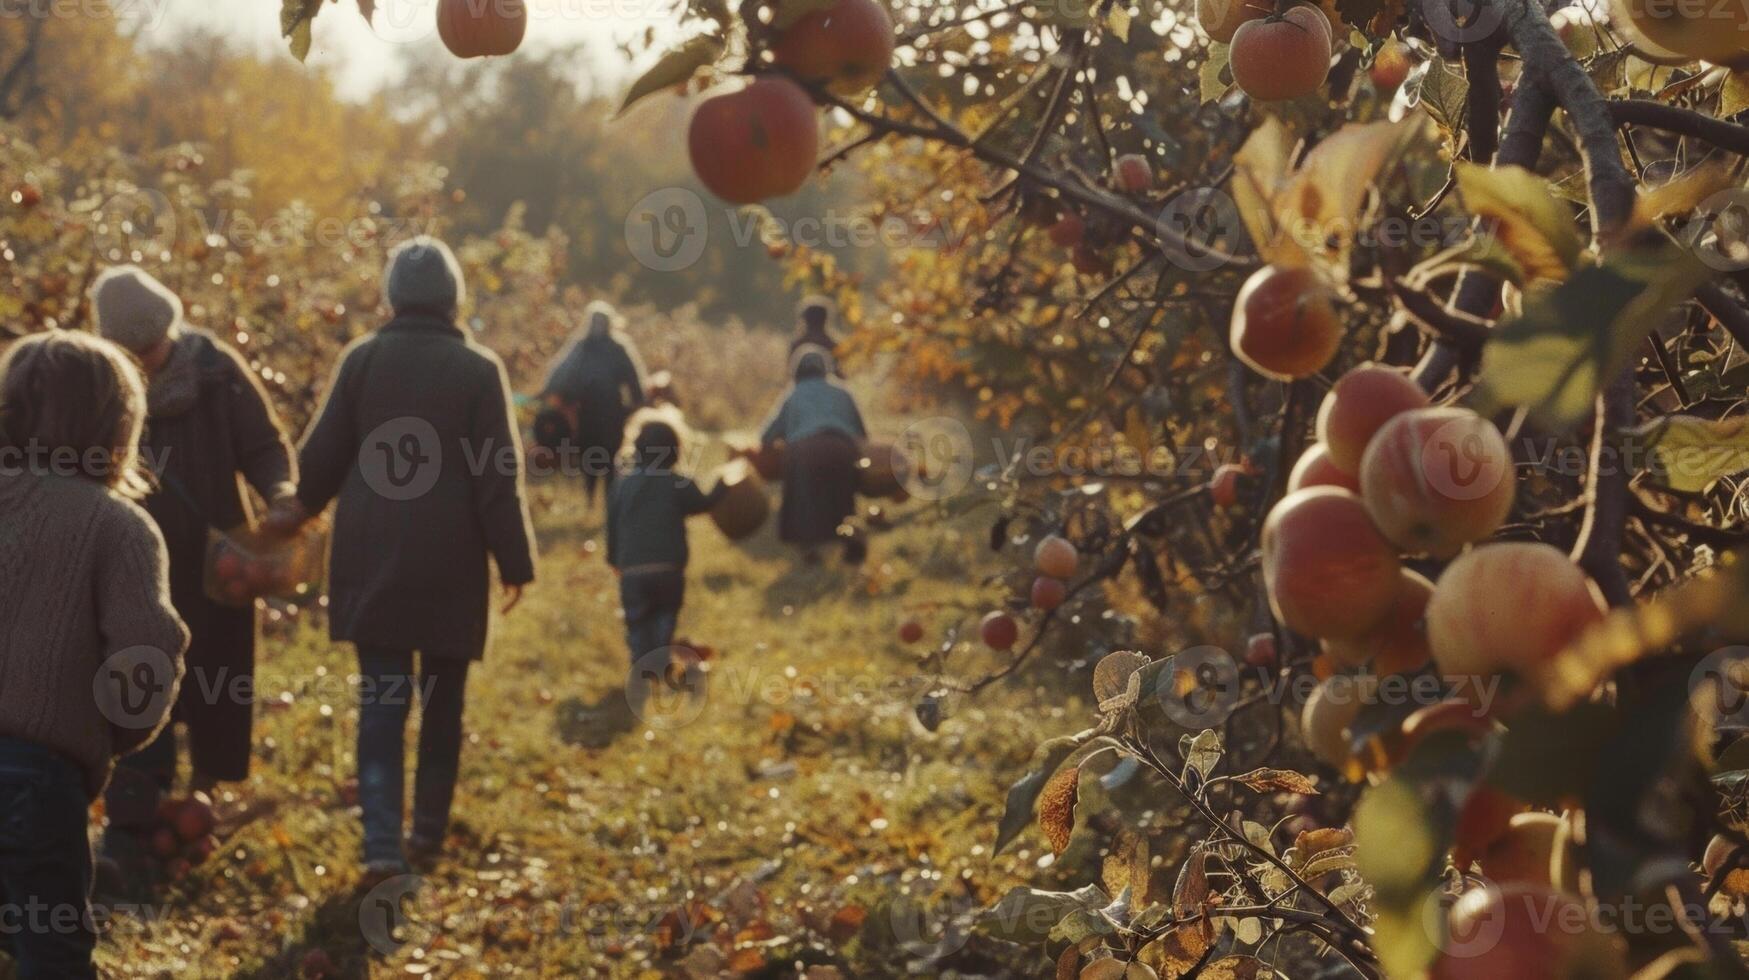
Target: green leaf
<point x="675" y="67"/>
<point x="295" y="18"/>
<point x="1403" y="828"/>
<point x="1209" y="75"/>
<point x="1554" y="357"/>
<point x="1442" y="90"/>
<point x="1544" y="756"/>
<point x="1027" y="915"/>
<point x="1535" y="227"/>
<point x="1202" y="753"/>
<point x="1046" y="760"/>
<point x="1119" y="22"/>
<point x="1687" y="454"/>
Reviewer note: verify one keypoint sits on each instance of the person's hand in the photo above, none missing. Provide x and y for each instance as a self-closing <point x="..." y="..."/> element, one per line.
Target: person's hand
<point x="284" y="517"/>
<point x="512" y="598"/>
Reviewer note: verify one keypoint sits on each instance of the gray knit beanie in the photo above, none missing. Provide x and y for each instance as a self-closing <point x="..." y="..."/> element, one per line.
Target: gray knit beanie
<point x="423" y="275"/>
<point x="135" y="310"/>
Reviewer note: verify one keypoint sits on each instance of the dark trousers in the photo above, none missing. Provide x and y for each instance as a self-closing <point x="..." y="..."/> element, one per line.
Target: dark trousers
<point x="45" y="863"/>
<point x="652" y="602"/>
<point x="388" y="685"/>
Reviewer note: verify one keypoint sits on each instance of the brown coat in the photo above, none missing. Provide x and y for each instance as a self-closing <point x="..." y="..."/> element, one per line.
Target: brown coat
<point x="84" y="608"/>
<point x="416" y="440"/>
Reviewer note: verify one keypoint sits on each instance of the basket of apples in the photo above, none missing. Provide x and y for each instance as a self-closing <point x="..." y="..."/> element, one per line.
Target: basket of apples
<point x="181" y="836"/>
<point x="246" y="564"/>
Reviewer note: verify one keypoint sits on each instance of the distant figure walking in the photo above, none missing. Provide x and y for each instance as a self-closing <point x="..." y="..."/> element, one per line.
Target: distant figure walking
<point x="821" y="430"/>
<point x="417" y="441"/>
<point x="86" y="609"/>
<point x="210" y="430"/>
<point x="815" y="317"/>
<point x="599" y="381"/>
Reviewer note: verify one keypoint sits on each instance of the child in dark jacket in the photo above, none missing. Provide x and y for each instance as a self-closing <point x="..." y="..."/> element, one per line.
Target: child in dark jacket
<point x="646" y="544"/>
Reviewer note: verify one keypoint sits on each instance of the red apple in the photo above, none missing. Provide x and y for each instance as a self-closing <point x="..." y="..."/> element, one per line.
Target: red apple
<point x="1436" y="479"/>
<point x="1329" y="572"/>
<point x="1133" y="173"/>
<point x="1358" y="405"/>
<point x="1316" y="469"/>
<point x="1260" y="650"/>
<point x="1224" y="487"/>
<point x="1509" y="607"/>
<point x="910" y="631"/>
<point x="1048" y="593"/>
<point x="1056" y="557"/>
<point x="1068" y="231"/>
<point x="194" y="820"/>
<point x="999" y="631"/>
<point x="1285" y="324"/>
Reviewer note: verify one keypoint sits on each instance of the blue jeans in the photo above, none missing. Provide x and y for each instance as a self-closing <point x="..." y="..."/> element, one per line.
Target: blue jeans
<point x="388" y="685"/>
<point x="652" y="602"/>
<point x="45" y="863"/>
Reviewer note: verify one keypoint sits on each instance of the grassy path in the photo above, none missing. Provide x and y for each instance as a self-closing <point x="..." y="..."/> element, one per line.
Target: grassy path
<point x="774" y="828"/>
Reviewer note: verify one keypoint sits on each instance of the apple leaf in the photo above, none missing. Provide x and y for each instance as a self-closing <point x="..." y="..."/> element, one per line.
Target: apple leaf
<point x="1442" y="91"/>
<point x="1278" y="781"/>
<point x="1734" y="94"/>
<point x="675" y="67"/>
<point x="1209" y="75"/>
<point x="1716" y="600"/>
<point x="1056" y="808"/>
<point x="1027" y="915"/>
<point x="1535" y="227"/>
<point x="1118" y="20"/>
<point x="295" y="20"/>
<point x="1687" y="454"/>
<point x="1554" y="357"/>
<point x="1402" y="830"/>
<point x="1046" y="759"/>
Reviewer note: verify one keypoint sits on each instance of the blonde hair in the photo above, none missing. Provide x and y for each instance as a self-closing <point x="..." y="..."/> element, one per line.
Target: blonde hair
<point x="74" y="404"/>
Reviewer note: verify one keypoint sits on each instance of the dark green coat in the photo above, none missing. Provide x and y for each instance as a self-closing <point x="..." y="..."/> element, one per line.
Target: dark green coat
<point x="416" y="441"/>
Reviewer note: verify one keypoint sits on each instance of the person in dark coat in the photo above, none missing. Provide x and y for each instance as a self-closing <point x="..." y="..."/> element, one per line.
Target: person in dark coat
<point x="210" y="430"/>
<point x="646" y="544"/>
<point x="821" y="429"/>
<point x="599" y="381"/>
<point x="416" y="441"/>
<point x="815" y="316"/>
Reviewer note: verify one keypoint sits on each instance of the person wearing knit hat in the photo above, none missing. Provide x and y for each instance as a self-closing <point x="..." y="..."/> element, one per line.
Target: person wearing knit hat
<point x="210" y="429"/>
<point x="138" y="312"/>
<point x="597" y="382"/>
<point x="417" y="447"/>
<point x="423" y="276"/>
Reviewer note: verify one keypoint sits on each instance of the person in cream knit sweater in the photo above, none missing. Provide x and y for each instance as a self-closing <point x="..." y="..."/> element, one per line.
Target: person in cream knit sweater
<point x="90" y="647"/>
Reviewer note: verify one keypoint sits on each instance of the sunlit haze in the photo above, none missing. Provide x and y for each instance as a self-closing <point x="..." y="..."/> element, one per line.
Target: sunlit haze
<point x="364" y="58"/>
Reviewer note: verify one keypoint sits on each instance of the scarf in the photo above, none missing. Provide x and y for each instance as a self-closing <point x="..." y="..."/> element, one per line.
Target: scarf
<point x="175" y="389"/>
